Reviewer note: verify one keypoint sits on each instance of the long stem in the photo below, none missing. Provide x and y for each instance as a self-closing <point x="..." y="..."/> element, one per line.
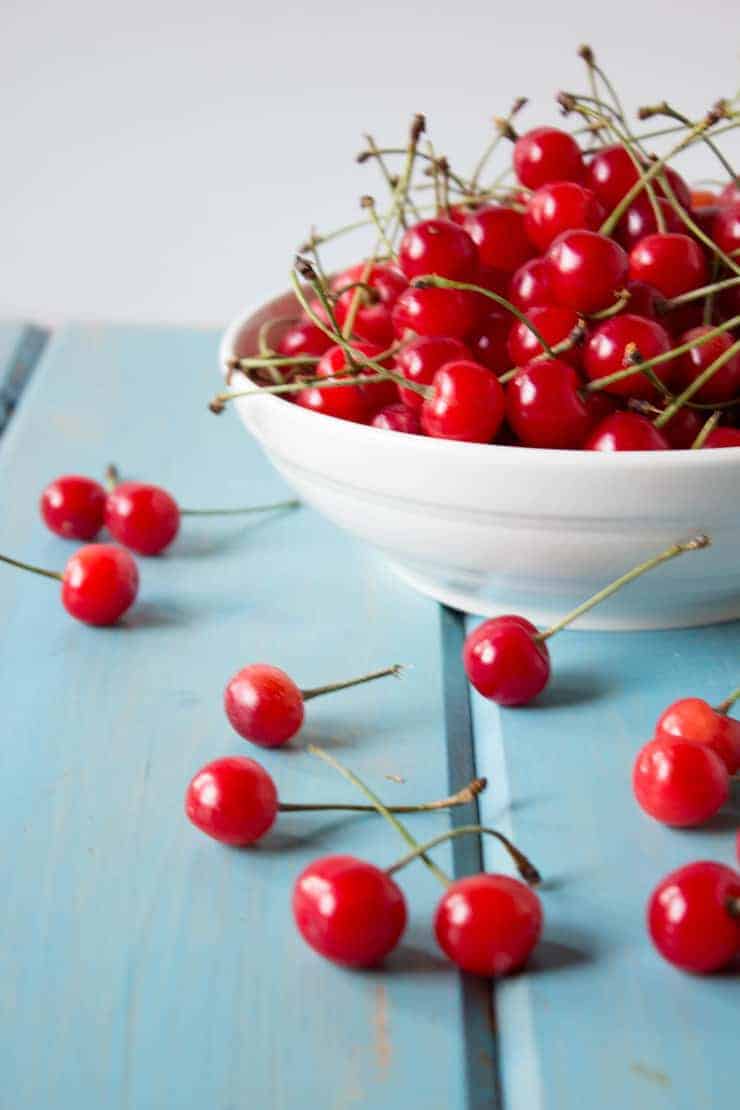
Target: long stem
<point x="221" y="399"/>
<point x="461" y="798"/>
<point x="502" y="130"/>
<point x="697" y="383"/>
<point x="293" y="504"/>
<point x="671" y="552"/>
<point x="706" y="430"/>
<point x="664" y="109"/>
<point x="381" y="808"/>
<point x="693" y="226"/>
<point x="726" y="705"/>
<point x="31" y="567"/>
<point x="698" y="294"/>
<point x="395" y="671"/>
<point x="524" y="866"/>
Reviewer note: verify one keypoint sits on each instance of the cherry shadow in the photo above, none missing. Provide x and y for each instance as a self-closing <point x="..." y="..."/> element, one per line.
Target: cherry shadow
<point x="574" y="686"/>
<point x="207" y="536"/>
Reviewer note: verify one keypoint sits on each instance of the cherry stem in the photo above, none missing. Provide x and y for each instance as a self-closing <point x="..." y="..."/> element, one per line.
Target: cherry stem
<point x="733" y="907"/>
<point x="31" y="567"/>
<point x="221" y="399"/>
<point x="706" y="430"/>
<point x="693" y="227"/>
<point x="698" y="294"/>
<point x="725" y="706"/>
<point x="395" y="671"/>
<point x="502" y="126"/>
<point x="462" y="798"/>
<point x="292" y="504"/>
<point x="623" y="298"/>
<point x="697" y="383"/>
<point x="695" y="544"/>
<point x="570" y="341"/>
<point x="112" y="477"/>
<point x="381" y="808"/>
<point x="524" y="866"/>
<point x="664" y="109"/>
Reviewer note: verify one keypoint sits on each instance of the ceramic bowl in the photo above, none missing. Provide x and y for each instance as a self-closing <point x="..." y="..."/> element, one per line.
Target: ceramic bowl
<point x="495" y="529"/>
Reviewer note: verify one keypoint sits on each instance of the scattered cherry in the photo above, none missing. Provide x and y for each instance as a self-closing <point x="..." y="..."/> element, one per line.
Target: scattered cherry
<point x="693" y="917"/>
<point x="143" y="517"/>
<point x="672" y="263"/>
<point x="547" y="154"/>
<point x="696" y="721"/>
<point x="233" y="800"/>
<point x="467" y="403"/>
<point x="679" y="782"/>
<point x="73" y="507"/>
<point x="488" y="924"/>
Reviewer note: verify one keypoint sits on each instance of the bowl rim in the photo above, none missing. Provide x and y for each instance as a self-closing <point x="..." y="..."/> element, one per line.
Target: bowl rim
<point x="624" y="460"/>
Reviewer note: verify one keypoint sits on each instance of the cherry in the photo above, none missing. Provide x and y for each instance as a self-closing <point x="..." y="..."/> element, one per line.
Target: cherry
<point x="440" y="247"/>
<point x="143" y="517"/>
<point x="692" y="917"/>
<point x="673" y="264"/>
<point x="643" y="300"/>
<point x="723" y="437"/>
<point x="233" y="800"/>
<point x="99" y="582"/>
<point x="349" y="911"/>
<point x="505" y="661"/>
<point x="488" y="924"/>
<point x="547" y="154"/>
<point x="555" y="325"/>
<point x="626" y="431"/>
<point x="398" y="418"/>
<point x="264" y="704"/>
<point x="500" y="237"/>
<point x="561" y="206"/>
<point x="731" y="193"/>
<point x="544" y="407"/>
<point x="639" y="220"/>
<point x="467" y="403"/>
<point x="495" y="281"/>
<point x="435" y="312"/>
<point x="703" y="198"/>
<point x="386" y="281"/>
<point x="682" y="429"/>
<point x="587" y="270"/>
<point x="695" y="720"/>
<point x="377" y="394"/>
<point x="724" y="385"/>
<point x="530" y="286"/>
<point x="73" y="507"/>
<point x="488" y="341"/>
<point x="303" y="338"/>
<point x="617" y="341"/>
<point x="611" y="173"/>
<point x="372" y="322"/>
<point x="353" y="402"/>
<point x="726" y="228"/>
<point x="420" y="360"/>
<point x="679" y="782"/>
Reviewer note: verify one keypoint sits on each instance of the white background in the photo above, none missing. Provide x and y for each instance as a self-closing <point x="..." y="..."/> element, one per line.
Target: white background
<point x="161" y="160"/>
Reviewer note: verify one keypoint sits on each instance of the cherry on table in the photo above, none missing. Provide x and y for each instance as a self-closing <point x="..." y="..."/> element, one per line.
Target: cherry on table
<point x="588" y="270"/>
<point x="438" y="246"/>
<point x="141" y="516"/>
<point x="73" y="507"/>
<point x="695" y="720"/>
<point x="561" y="206"/>
<point x="693" y="917"/>
<point x="488" y="924"/>
<point x="679" y="782"/>
<point x="467" y="403"/>
<point x="546" y="154"/>
<point x="233" y="799"/>
<point x="499" y="234"/>
<point x="626" y="431"/>
<point x="611" y="347"/>
<point x="672" y="263"/>
<point x="544" y="406"/>
<point x="420" y="360"/>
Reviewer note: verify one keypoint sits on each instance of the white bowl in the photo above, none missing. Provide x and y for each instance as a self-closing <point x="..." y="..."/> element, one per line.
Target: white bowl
<point x="495" y="529"/>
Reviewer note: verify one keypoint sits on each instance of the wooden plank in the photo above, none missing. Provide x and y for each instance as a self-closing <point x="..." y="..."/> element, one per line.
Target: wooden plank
<point x="21" y="346"/>
<point x="143" y="965"/>
<point x="599" y="1019"/>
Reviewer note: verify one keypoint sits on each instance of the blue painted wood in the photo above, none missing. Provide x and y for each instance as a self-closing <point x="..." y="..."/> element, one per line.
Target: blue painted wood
<point x="144" y="966"/>
<point x="20" y="349"/>
<point x="600" y="1020"/>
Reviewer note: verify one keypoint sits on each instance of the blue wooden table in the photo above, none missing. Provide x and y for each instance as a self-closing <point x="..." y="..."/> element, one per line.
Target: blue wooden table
<point x="144" y="967"/>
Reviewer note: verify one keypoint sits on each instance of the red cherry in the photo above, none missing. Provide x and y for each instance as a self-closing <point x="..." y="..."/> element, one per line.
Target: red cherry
<point x="626" y="431"/>
<point x="398" y="418"/>
<point x="349" y="911"/>
<point x="730" y="194"/>
<point x="304" y="338"/>
<point x="438" y="247"/>
<point x="643" y="300"/>
<point x="420" y="360"/>
<point x="488" y="924"/>
<point x="264" y="705"/>
<point x="679" y="782"/>
<point x="610" y="345"/>
<point x="555" y="325"/>
<point x="695" y="720"/>
<point x="611" y="174"/>
<point x="599" y="405"/>
<point x="437" y="312"/>
<point x="530" y="286"/>
<point x="504" y="661"/>
<point x="234" y="800"/>
<point x="142" y="517"/>
<point x="724" y="385"/>
<point x="691" y="917"/>
<point x="349" y="402"/>
<point x="495" y="281"/>
<point x="73" y="507"/>
<point x="374" y="395"/>
<point x="386" y="281"/>
<point x="726" y="228"/>
<point x="587" y="270"/>
<point x="500" y="237"/>
<point x="561" y="206"/>
<point x="547" y="154"/>
<point x="99" y="583"/>
<point x="489" y="341"/>
<point x="672" y="263"/>
<point x="682" y="428"/>
<point x="639" y="220"/>
<point x="544" y="407"/>
<point x="723" y="437"/>
<point x="372" y="322"/>
<point x="467" y="403"/>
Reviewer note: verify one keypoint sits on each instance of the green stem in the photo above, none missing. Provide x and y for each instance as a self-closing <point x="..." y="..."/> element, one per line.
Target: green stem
<point x="725" y="706"/>
<point x="221" y="399"/>
<point x="698" y="294"/>
<point x="31" y="567"/>
<point x="671" y="552"/>
<point x="696" y="385"/>
<point x="463" y="797"/>
<point x="664" y="109"/>
<point x="501" y="126"/>
<point x="395" y="671"/>
<point x="560" y="348"/>
<point x="525" y="867"/>
<point x="706" y="430"/>
<point x="693" y="226"/>
<point x="112" y="477"/>
<point x="293" y="504"/>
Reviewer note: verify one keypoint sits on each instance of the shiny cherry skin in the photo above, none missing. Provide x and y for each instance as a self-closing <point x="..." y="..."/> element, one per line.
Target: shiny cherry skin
<point x="643" y="300"/>
<point x="561" y="206"/>
<point x="143" y="517"/>
<point x="73" y="507"/>
<point x="420" y="360"/>
<point x="626" y="431"/>
<point x="544" y="407"/>
<point x="372" y="321"/>
<point x="386" y="281"/>
<point x="682" y="429"/>
<point x="611" y="173"/>
<point x="264" y="705"/>
<point x="723" y="437"/>
<point x="555" y="325"/>
<point x="672" y="263"/>
<point x="724" y="385"/>
<point x="376" y="394"/>
<point x="488" y="341"/>
<point x="639" y="220"/>
<point x="499" y="234"/>
<point x="505" y="662"/>
<point x="547" y="154"/>
<point x="726" y="228"/>
<point x="467" y="403"/>
<point x="438" y="246"/>
<point x="678" y="782"/>
<point x="730" y="194"/>
<point x="437" y="312"/>
<point x="100" y="582"/>
<point x="488" y="924"/>
<point x="350" y="402"/>
<point x="696" y="720"/>
<point x="398" y="418"/>
<point x="587" y="270"/>
<point x="530" y="285"/>
<point x="233" y="800"/>
<point x="608" y="348"/>
<point x="349" y="911"/>
<point x="691" y="920"/>
<point x="303" y="338"/>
